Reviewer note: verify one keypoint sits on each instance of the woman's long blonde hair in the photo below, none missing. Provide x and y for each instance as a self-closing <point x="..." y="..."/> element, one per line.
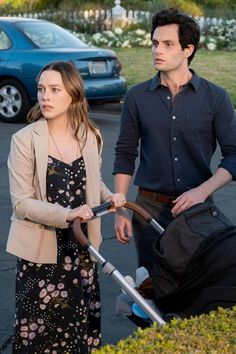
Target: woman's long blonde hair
<point x="78" y="110"/>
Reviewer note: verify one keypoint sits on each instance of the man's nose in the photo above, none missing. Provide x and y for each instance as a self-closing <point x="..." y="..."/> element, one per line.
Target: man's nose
<point x="158" y="48"/>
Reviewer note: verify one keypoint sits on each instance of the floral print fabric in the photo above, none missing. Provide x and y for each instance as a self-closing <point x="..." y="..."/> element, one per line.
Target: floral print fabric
<point x="58" y="305"/>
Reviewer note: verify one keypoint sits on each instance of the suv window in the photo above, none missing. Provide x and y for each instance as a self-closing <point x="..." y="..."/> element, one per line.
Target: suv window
<point x="5" y="42"/>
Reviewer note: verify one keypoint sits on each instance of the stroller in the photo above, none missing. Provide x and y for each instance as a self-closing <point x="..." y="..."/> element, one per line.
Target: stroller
<point x="194" y="268"/>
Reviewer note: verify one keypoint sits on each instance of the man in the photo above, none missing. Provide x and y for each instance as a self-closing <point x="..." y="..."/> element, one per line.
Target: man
<point x="177" y="117"/>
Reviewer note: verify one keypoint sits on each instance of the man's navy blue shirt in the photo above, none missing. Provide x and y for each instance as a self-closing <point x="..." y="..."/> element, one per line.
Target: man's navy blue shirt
<point x="177" y="139"/>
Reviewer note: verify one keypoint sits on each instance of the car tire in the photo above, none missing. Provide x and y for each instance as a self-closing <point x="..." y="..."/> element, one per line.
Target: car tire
<point x="14" y="101"/>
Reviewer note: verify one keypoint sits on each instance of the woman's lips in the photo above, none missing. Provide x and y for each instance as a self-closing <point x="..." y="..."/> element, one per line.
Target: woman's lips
<point x="47" y="108"/>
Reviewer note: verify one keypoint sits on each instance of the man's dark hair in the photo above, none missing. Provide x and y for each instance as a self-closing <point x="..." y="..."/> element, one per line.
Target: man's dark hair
<point x="189" y="30"/>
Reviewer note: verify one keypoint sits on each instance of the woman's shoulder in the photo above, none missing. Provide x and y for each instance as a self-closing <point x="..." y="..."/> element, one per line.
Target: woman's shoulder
<point x="26" y="130"/>
<point x="24" y="136"/>
<point x="97" y="131"/>
<point x="91" y="133"/>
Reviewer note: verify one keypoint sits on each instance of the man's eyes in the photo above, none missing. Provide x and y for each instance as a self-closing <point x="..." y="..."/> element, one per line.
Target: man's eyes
<point x="167" y="44"/>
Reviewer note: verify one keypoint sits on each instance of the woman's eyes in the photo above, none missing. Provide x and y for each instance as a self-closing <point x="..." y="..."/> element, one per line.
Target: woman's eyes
<point x="54" y="89"/>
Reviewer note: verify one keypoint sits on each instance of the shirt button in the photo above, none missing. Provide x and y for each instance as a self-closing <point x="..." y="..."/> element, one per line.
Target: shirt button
<point x="174" y="138"/>
<point x="178" y="180"/>
<point x="174" y="117"/>
<point x="176" y="159"/>
<point x="168" y="97"/>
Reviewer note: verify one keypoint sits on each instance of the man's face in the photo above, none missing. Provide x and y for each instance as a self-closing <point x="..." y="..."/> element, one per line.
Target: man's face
<point x="166" y="50"/>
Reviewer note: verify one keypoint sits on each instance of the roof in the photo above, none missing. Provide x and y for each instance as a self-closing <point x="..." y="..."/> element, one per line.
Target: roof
<point x="15" y="19"/>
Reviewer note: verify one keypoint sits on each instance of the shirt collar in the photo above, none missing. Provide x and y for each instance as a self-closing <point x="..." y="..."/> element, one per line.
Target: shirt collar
<point x="155" y="82"/>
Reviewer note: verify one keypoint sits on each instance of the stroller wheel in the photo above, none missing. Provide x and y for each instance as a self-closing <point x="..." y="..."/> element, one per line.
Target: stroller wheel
<point x="140" y="322"/>
<point x="170" y="316"/>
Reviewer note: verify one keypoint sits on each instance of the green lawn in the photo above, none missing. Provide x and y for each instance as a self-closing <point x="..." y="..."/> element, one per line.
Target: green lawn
<point x="218" y="67"/>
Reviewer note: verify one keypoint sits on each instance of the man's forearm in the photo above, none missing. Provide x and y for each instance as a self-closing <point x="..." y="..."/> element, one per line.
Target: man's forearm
<point x="122" y="183"/>
<point x="220" y="178"/>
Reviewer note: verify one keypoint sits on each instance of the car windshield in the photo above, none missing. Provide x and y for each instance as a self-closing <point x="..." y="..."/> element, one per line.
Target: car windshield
<point x="49" y="35"/>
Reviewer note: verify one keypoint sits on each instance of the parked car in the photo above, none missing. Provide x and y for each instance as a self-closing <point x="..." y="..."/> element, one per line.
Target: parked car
<point x="26" y="45"/>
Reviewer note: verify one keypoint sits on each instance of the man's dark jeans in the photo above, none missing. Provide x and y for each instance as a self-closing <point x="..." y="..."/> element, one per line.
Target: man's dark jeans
<point x="145" y="236"/>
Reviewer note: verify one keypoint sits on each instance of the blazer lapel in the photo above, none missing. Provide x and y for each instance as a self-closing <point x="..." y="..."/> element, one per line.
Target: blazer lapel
<point x="40" y="137"/>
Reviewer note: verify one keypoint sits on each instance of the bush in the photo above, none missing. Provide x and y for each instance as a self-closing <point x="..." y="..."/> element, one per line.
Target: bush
<point x="219" y="36"/>
<point x="117" y="38"/>
<point x="188" y="6"/>
<point x="213" y="36"/>
<point x="213" y="333"/>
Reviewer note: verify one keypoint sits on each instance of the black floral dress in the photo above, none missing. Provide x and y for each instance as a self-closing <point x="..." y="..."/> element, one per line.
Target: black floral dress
<point x="58" y="305"/>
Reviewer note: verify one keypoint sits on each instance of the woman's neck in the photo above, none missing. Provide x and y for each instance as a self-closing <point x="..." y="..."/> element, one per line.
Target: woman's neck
<point x="59" y="126"/>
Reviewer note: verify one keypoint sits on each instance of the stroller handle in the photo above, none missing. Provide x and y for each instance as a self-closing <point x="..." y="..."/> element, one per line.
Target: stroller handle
<point x="104" y="209"/>
<point x="139" y="210"/>
<point x="108" y="267"/>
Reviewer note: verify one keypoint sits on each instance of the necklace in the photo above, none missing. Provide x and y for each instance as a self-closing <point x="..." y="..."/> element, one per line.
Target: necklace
<point x="58" y="151"/>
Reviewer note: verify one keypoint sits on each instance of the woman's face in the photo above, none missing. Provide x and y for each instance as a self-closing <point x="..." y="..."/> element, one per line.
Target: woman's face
<point x="53" y="99"/>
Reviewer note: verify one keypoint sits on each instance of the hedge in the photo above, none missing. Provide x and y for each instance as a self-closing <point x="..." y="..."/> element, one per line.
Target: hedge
<point x="212" y="333"/>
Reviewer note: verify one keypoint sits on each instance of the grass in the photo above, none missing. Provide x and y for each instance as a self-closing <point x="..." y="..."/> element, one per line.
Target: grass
<point x="218" y="67"/>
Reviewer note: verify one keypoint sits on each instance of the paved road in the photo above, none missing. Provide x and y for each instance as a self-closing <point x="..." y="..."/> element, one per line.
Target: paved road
<point x="123" y="257"/>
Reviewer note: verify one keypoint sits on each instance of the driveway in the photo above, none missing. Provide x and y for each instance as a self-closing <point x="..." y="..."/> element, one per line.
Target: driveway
<point x="121" y="256"/>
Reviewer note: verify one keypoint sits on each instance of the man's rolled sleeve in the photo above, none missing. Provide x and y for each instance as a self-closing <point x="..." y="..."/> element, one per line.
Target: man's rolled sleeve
<point x="126" y="150"/>
<point x="229" y="162"/>
<point x="226" y="134"/>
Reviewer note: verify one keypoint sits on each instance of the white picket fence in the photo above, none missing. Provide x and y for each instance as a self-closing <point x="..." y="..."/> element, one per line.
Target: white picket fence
<point x="129" y="16"/>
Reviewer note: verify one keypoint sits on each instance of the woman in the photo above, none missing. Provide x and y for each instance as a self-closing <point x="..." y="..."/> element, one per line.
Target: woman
<point x="54" y="169"/>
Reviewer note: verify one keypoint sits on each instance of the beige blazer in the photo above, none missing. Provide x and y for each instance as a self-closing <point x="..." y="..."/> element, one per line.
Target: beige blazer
<point x="32" y="233"/>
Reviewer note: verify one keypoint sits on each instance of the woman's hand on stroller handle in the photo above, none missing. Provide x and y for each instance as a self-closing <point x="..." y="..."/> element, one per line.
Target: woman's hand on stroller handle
<point x="102" y="209"/>
<point x="116" y="201"/>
